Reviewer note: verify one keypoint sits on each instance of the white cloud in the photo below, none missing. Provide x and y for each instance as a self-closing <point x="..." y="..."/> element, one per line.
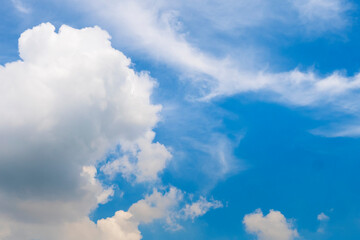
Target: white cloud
<point x="273" y="226"/>
<point x="200" y="207"/>
<point x="168" y="206"/>
<point x="151" y="27"/>
<point x="156" y="205"/>
<point x="150" y="159"/>
<point x="120" y="226"/>
<point x="322" y="217"/>
<point x="311" y="17"/>
<point x="69" y="101"/>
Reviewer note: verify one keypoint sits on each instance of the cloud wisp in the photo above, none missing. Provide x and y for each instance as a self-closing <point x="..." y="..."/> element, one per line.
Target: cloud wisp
<point x="155" y="28"/>
<point x="19" y="5"/>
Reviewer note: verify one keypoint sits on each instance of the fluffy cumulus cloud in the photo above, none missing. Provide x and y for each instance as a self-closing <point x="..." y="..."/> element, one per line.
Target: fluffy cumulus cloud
<point x="273" y="226"/>
<point x="156" y="205"/>
<point x="68" y="101"/>
<point x="144" y="168"/>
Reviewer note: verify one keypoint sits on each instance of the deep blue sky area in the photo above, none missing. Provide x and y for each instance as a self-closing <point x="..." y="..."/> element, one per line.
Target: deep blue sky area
<point x="241" y="148"/>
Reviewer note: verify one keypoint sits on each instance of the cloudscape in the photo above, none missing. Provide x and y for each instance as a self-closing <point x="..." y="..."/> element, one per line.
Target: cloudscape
<point x="202" y="119"/>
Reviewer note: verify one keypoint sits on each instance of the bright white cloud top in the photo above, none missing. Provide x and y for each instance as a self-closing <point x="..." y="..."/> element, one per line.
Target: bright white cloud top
<point x="69" y="101"/>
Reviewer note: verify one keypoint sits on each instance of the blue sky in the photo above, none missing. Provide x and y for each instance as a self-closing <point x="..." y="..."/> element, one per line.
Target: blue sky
<point x="232" y="120"/>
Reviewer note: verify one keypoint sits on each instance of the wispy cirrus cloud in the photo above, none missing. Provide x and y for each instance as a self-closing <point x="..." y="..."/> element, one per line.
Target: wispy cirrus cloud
<point x="152" y="28"/>
<point x="316" y="14"/>
<point x="21" y="7"/>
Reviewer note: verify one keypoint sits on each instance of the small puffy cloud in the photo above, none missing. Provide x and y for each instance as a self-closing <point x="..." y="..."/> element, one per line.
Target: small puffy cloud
<point x="273" y="226"/>
<point x="200" y="207"/>
<point x="323" y="217"/>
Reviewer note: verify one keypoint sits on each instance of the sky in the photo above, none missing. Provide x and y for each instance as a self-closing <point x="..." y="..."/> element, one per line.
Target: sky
<point x="202" y="119"/>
